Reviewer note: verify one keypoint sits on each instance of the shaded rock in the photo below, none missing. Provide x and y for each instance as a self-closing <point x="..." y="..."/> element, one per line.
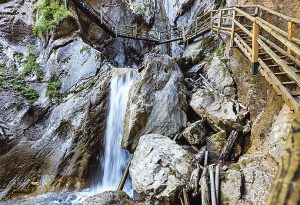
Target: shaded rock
<point x="157" y="102"/>
<point x="215" y="144"/>
<point x="109" y="198"/>
<point x="6" y="137"/>
<point x="159" y="168"/>
<point x="195" y="133"/>
<point x="216" y="109"/>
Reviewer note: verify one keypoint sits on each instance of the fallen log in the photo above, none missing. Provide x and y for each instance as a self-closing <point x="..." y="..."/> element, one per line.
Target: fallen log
<point x="212" y="185"/>
<point x="228" y="146"/>
<point x="217" y="182"/>
<point x="204" y="188"/>
<point x="124" y="177"/>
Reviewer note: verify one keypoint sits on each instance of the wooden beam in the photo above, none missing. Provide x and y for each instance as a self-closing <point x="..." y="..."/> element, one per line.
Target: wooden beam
<point x="255" y="34"/>
<point x="124" y="177"/>
<point x="220" y="22"/>
<point x="290" y="34"/>
<point x="232" y="29"/>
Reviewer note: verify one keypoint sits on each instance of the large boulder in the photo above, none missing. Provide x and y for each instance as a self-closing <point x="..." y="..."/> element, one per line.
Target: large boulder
<point x="216" y="109"/>
<point x="109" y="198"/>
<point x="157" y="102"/>
<point x="159" y="168"/>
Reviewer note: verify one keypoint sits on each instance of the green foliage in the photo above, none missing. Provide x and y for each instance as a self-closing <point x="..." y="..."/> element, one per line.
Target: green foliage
<point x="219" y="51"/>
<point x="51" y="13"/>
<point x="66" y="59"/>
<point x="32" y="65"/>
<point x="3" y="66"/>
<point x="53" y="90"/>
<point x="18" y="56"/>
<point x="1" y="80"/>
<point x="140" y="9"/>
<point x="21" y="2"/>
<point x="27" y="91"/>
<point x="85" y="48"/>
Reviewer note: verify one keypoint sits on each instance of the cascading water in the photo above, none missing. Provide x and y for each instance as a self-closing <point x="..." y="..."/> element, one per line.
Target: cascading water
<point x="115" y="158"/>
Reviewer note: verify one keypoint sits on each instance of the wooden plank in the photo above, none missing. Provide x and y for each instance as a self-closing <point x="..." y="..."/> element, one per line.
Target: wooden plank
<point x="293" y="46"/>
<point x="284" y="73"/>
<point x="277" y="85"/>
<point x="282" y="63"/>
<point x="290" y="34"/>
<point x="228" y="146"/>
<point x="232" y="30"/>
<point x="289" y="83"/>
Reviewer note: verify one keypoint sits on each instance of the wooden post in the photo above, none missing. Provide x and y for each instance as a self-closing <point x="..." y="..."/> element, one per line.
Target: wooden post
<point x="290" y="34"/>
<point x="255" y="34"/>
<point x="220" y="21"/>
<point x="232" y="29"/>
<point x="256" y="11"/>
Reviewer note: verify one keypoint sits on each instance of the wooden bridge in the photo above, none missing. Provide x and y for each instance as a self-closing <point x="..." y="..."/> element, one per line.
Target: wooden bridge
<point x="271" y="47"/>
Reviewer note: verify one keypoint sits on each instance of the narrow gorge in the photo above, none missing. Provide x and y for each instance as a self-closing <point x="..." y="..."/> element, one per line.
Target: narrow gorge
<point x="149" y="102"/>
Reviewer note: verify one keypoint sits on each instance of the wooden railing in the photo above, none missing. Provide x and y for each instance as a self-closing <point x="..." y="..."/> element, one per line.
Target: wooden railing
<point x="271" y="46"/>
<point x="267" y="45"/>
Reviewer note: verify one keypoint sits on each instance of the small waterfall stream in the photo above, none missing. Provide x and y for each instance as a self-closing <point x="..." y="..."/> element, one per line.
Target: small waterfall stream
<point x="115" y="158"/>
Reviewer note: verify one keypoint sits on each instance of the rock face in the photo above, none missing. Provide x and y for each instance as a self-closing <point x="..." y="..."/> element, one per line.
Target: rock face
<point x="157" y="102"/>
<point x="159" y="168"/>
<point x="195" y="133"/>
<point x="214" y="102"/>
<point x="109" y="198"/>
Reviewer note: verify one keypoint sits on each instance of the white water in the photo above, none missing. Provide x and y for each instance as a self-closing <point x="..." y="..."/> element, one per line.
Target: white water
<point x="115" y="158"/>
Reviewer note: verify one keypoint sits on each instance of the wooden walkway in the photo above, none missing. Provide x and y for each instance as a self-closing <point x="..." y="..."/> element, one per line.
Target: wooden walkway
<point x="271" y="47"/>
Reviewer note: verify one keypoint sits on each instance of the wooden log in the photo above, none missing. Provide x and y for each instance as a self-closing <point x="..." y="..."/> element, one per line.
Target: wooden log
<point x="220" y="22"/>
<point x="185" y="197"/>
<point x="290" y="34"/>
<point x="204" y="188"/>
<point x="217" y="182"/>
<point x="124" y="177"/>
<point x="228" y="146"/>
<point x="212" y="185"/>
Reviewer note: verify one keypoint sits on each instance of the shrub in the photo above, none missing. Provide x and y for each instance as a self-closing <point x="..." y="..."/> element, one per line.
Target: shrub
<point x="53" y="90"/>
<point x="3" y="65"/>
<point x="1" y="80"/>
<point x="85" y="48"/>
<point x="140" y="9"/>
<point x="27" y="91"/>
<point x="21" y="2"/>
<point x="51" y="13"/>
<point x="32" y="65"/>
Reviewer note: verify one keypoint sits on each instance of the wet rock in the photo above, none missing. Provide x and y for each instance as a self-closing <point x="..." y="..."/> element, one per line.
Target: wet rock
<point x="195" y="133"/>
<point x="109" y="198"/>
<point x="216" y="109"/>
<point x="157" y="102"/>
<point x="159" y="168"/>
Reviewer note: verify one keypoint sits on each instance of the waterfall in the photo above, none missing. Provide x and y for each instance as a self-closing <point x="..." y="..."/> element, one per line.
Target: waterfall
<point x="115" y="158"/>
